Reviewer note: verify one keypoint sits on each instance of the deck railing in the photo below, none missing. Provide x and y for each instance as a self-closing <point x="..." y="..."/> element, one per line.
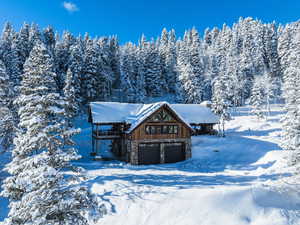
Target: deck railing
<point x="107" y="133"/>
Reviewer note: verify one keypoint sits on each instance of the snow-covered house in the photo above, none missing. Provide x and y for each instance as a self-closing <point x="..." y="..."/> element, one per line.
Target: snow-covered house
<point x="149" y="133"/>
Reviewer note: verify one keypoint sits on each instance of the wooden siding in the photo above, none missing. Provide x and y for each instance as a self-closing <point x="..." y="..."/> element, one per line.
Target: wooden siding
<point x="140" y="132"/>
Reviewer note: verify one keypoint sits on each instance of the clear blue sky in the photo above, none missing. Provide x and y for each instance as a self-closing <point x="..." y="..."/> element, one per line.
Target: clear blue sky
<point x="130" y="18"/>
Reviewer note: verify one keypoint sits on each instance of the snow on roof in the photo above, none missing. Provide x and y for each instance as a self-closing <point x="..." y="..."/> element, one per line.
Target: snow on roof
<point x="206" y="103"/>
<point x="134" y="114"/>
<point x="194" y="113"/>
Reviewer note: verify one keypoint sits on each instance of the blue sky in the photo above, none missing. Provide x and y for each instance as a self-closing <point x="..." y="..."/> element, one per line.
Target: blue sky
<point x="130" y="18"/>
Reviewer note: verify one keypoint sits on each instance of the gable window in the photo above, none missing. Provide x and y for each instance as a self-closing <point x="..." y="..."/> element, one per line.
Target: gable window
<point x="161" y="116"/>
<point x="161" y="129"/>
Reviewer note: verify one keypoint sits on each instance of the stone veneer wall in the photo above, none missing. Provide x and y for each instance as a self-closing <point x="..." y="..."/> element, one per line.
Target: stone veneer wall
<point x="133" y="146"/>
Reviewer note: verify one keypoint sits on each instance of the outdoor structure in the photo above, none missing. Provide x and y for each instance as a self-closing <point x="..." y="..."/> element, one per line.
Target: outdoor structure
<point x="149" y="133"/>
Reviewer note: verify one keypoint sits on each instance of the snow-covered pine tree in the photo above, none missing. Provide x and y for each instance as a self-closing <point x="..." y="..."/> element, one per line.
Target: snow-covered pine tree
<point x="39" y="191"/>
<point x="220" y="102"/>
<point x="76" y="66"/>
<point x="163" y="48"/>
<point x="140" y="86"/>
<point x="6" y="105"/>
<point x="271" y="50"/>
<point x="171" y="76"/>
<point x="257" y="98"/>
<point x="126" y="69"/>
<point x="291" y="120"/>
<point x="72" y="104"/>
<point x="181" y="63"/>
<point x="114" y="56"/>
<point x="190" y="68"/>
<point x="20" y="45"/>
<point x="34" y="36"/>
<point x="90" y="71"/>
<point x="105" y="70"/>
<point x="153" y="71"/>
<point x="62" y="54"/>
<point x="196" y="61"/>
<point x="9" y="55"/>
<point x="48" y="38"/>
<point x="285" y="46"/>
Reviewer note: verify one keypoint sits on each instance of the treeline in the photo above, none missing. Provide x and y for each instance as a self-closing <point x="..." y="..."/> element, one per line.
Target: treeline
<point x="227" y="65"/>
<point x="186" y="67"/>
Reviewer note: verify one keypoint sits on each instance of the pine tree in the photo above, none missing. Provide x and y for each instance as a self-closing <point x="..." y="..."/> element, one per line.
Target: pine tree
<point x="72" y="104"/>
<point x="153" y="72"/>
<point x="171" y="76"/>
<point x="105" y="70"/>
<point x="49" y="38"/>
<point x="38" y="190"/>
<point x="257" y="98"/>
<point x="220" y="102"/>
<point x="20" y="45"/>
<point x="6" y="116"/>
<point x="90" y="72"/>
<point x="140" y="86"/>
<point x="114" y="56"/>
<point x="62" y="54"/>
<point x="34" y="36"/>
<point x="76" y="66"/>
<point x="9" y="55"/>
<point x="126" y="69"/>
<point x="290" y="121"/>
<point x="163" y="48"/>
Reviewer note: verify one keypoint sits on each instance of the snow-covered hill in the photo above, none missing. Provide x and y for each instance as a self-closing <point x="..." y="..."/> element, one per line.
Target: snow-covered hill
<point x="227" y="181"/>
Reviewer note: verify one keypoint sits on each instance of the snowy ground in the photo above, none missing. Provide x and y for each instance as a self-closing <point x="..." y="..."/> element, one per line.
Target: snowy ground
<point x="227" y="181"/>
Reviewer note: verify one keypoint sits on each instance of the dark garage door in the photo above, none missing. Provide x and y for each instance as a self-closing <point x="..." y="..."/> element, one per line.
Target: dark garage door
<point x="149" y="154"/>
<point x="174" y="152"/>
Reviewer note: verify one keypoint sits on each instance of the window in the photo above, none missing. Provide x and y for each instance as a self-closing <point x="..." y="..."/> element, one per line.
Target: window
<point x="161" y="129"/>
<point x="162" y="116"/>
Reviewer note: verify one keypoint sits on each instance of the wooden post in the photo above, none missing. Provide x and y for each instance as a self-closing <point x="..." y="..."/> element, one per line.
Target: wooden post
<point x="97" y="146"/>
<point x="93" y="144"/>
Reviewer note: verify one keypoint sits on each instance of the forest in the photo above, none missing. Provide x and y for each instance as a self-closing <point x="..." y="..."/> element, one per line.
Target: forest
<point x="47" y="79"/>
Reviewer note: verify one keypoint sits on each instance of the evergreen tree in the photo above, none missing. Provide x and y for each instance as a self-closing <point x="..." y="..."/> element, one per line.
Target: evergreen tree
<point x="90" y="71"/>
<point x="34" y="36"/>
<point x="76" y="68"/>
<point x="290" y="121"/>
<point x="72" y="104"/>
<point x="126" y="69"/>
<point x="6" y="105"/>
<point x="140" y="86"/>
<point x="163" y="48"/>
<point x="153" y="72"/>
<point x="105" y="70"/>
<point x="9" y="55"/>
<point x="20" y="45"/>
<point x="171" y="76"/>
<point x="38" y="189"/>
<point x="257" y="98"/>
<point x="62" y="54"/>
<point x="220" y="102"/>
<point x="114" y="56"/>
<point x="49" y="39"/>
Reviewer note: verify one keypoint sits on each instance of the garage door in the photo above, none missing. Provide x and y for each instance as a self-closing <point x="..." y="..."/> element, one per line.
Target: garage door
<point x="149" y="154"/>
<point x="174" y="152"/>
